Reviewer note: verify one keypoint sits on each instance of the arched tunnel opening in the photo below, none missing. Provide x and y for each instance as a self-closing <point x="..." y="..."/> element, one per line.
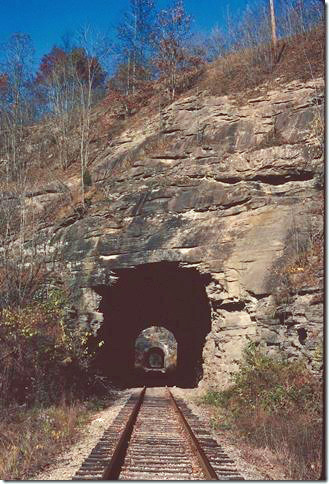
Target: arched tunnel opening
<point x="154" y="359"/>
<point x="156" y="355"/>
<point x="162" y="295"/>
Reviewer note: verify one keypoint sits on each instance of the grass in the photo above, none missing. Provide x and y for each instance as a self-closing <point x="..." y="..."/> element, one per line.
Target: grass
<point x="31" y="438"/>
<point x="274" y="405"/>
<point x="243" y="72"/>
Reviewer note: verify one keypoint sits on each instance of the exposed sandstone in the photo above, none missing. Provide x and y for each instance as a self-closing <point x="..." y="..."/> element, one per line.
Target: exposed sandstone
<point x="218" y="187"/>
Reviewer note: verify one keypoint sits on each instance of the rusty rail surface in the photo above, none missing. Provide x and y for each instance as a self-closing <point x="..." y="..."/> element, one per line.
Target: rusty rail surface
<point x="157" y="437"/>
<point x="208" y="471"/>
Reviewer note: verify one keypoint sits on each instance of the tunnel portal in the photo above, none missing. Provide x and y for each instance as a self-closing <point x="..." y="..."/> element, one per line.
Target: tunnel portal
<point x="172" y="296"/>
<point x="153" y="345"/>
<point x="154" y="359"/>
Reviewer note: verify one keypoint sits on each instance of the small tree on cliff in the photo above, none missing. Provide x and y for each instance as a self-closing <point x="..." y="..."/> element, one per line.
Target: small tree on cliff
<point x="172" y="32"/>
<point x="89" y="74"/>
<point x="135" y="33"/>
<point x="67" y="81"/>
<point x="16" y="100"/>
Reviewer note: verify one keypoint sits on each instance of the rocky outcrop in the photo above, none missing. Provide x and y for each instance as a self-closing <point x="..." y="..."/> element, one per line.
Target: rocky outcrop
<point x="219" y="187"/>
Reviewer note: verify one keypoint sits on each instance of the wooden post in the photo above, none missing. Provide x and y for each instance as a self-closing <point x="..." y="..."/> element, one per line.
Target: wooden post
<point x="274" y="39"/>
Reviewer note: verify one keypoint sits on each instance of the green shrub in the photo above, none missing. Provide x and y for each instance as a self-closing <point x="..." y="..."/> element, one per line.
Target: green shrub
<point x="43" y="358"/>
<point x="212" y="398"/>
<point x="277" y="404"/>
<point x="271" y="384"/>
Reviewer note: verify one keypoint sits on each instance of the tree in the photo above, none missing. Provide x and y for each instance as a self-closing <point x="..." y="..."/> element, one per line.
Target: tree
<point x="89" y="75"/>
<point x="57" y="92"/>
<point x="216" y="44"/>
<point x="135" y="34"/>
<point x="64" y="68"/>
<point x="298" y="16"/>
<point x="4" y="84"/>
<point x="63" y="78"/>
<point x="16" y="100"/>
<point x="173" y="30"/>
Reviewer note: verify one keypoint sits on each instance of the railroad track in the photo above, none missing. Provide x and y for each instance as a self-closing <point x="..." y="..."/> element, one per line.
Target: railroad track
<point x="157" y="437"/>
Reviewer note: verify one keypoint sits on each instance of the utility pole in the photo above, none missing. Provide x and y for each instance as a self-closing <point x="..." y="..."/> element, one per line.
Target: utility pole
<point x="274" y="39"/>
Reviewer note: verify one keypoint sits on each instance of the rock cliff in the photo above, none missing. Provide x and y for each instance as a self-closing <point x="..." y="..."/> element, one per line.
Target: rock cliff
<point x="227" y="189"/>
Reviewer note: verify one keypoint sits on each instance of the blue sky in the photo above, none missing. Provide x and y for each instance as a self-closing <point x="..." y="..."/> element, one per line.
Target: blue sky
<point x="47" y="20"/>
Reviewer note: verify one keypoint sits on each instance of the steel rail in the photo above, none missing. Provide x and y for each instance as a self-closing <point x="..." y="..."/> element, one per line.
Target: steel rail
<point x="205" y="465"/>
<point x="141" y="444"/>
<point x="112" y="470"/>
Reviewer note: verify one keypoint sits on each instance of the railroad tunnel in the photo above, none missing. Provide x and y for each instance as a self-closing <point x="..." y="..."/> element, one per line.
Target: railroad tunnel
<point x="155" y="355"/>
<point x="162" y="295"/>
<point x="154" y="359"/>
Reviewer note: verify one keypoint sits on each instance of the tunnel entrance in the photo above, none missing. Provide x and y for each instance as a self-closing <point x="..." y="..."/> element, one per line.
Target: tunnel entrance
<point x="156" y="356"/>
<point x="157" y="295"/>
<point x="156" y="346"/>
<point x="154" y="359"/>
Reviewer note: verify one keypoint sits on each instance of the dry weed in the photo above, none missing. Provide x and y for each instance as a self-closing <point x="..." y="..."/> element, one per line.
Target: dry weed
<point x="29" y="439"/>
<point x="275" y="406"/>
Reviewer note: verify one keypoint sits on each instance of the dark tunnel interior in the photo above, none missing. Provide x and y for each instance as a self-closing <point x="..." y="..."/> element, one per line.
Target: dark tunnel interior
<point x="162" y="294"/>
<point x="154" y="358"/>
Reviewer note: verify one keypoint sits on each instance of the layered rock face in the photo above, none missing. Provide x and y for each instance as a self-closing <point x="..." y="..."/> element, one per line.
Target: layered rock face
<point x="225" y="189"/>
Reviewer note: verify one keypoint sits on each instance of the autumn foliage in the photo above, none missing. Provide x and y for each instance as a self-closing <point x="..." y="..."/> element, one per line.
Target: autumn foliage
<point x="42" y="358"/>
<point x="275" y="404"/>
<point x="68" y="66"/>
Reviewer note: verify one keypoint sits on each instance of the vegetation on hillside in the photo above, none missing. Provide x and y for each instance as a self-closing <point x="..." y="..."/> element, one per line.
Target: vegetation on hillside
<point x="302" y="263"/>
<point x="275" y="404"/>
<point x="155" y="58"/>
<point x="43" y="358"/>
<point x="32" y="437"/>
<point x="46" y="383"/>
